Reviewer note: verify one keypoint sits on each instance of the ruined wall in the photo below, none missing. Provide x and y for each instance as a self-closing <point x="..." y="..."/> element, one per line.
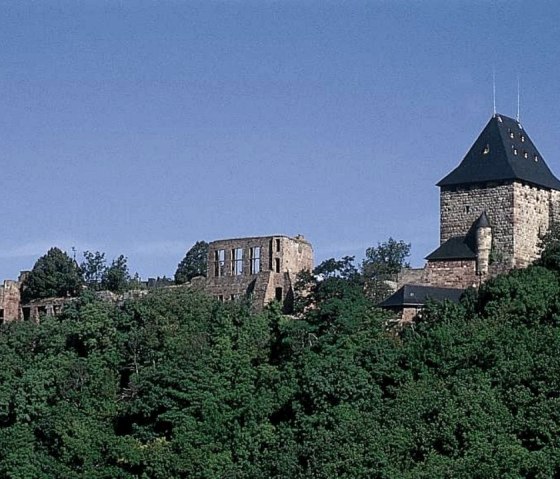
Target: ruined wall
<point x="10" y="301"/>
<point x="461" y="207"/>
<point x="452" y="274"/>
<point x="533" y="211"/>
<point x="263" y="268"/>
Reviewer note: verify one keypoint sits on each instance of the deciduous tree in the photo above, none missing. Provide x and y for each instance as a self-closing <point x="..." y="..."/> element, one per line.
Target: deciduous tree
<point x="193" y="264"/>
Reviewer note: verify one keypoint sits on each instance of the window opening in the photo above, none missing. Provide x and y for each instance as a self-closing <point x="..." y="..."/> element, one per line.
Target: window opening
<point x="237" y="261"/>
<point x="255" y="263"/>
<point x="26" y="313"/>
<point x="277" y="265"/>
<point x="219" y="262"/>
<point x="278" y="294"/>
<point x="277" y="245"/>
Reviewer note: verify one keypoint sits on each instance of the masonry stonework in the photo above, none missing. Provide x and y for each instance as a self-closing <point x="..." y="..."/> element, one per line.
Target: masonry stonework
<point x="261" y="268"/>
<point x="10" y="299"/>
<point x="451" y="274"/>
<point x="461" y="206"/>
<point x="533" y="212"/>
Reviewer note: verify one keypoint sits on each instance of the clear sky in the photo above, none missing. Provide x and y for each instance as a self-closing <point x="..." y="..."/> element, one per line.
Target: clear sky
<point x="140" y="127"/>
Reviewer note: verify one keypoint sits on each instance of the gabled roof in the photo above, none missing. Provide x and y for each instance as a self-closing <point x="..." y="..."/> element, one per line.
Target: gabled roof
<point x="502" y="152"/>
<point x="458" y="247"/>
<point x="417" y="295"/>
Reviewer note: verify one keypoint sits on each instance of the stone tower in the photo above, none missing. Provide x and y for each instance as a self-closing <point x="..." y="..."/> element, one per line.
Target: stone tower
<point x="483" y="232"/>
<point x="504" y="177"/>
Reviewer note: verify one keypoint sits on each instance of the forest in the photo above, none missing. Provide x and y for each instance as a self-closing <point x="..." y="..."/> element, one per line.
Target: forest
<point x="179" y="385"/>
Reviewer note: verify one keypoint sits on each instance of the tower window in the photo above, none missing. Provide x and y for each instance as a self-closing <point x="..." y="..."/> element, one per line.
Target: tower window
<point x="511" y="135"/>
<point x="515" y="151"/>
<point x="522" y="138"/>
<point x="536" y="158"/>
<point x="467" y="209"/>
<point x="486" y="150"/>
<point x="525" y="155"/>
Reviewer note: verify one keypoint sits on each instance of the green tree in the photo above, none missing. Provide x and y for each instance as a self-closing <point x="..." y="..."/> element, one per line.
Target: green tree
<point x="381" y="265"/>
<point x="193" y="264"/>
<point x="550" y="248"/>
<point x="93" y="268"/>
<point x="116" y="278"/>
<point x="53" y="275"/>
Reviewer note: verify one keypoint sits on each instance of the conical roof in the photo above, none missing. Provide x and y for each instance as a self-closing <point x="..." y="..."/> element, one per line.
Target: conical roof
<point x="482" y="221"/>
<point x="502" y="152"/>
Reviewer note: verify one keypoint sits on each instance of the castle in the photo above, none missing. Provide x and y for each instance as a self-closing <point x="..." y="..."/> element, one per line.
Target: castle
<point x="494" y="208"/>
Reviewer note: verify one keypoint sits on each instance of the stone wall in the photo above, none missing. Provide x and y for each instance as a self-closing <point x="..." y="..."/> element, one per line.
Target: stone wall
<point x="533" y="208"/>
<point x="461" y="207"/>
<point x="10" y="299"/>
<point x="518" y="213"/>
<point x="410" y="276"/>
<point x="452" y="274"/>
<point x="263" y="268"/>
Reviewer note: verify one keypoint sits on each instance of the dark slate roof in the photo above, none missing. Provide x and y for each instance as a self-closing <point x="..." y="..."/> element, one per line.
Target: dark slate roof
<point x="416" y="295"/>
<point x="458" y="247"/>
<point x="482" y="221"/>
<point x="502" y="152"/>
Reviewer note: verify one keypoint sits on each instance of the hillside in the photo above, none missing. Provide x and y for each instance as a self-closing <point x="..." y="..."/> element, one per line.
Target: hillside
<point x="177" y="384"/>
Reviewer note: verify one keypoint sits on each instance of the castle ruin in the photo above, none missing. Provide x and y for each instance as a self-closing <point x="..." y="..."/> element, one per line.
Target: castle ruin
<point x="263" y="268"/>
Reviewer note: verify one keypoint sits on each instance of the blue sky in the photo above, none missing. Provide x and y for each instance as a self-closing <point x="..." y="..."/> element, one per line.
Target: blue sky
<point x="140" y="127"/>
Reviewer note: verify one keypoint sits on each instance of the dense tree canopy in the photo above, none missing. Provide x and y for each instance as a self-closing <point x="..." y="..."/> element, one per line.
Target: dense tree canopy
<point x="178" y="385"/>
<point x="54" y="274"/>
<point x="193" y="264"/>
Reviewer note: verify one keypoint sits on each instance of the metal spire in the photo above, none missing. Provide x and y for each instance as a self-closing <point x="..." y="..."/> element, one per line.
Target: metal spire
<point x="518" y="95"/>
<point x="494" y="88"/>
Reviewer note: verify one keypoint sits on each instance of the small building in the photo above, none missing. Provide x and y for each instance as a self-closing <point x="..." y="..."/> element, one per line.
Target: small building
<point x="261" y="268"/>
<point x="407" y="302"/>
